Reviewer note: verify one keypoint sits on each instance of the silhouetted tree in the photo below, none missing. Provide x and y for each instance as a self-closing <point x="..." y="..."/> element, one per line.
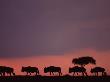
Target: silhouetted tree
<point x="82" y="61"/>
<point x="77" y="70"/>
<point x="96" y="70"/>
<point x="30" y="70"/>
<point x="52" y="69"/>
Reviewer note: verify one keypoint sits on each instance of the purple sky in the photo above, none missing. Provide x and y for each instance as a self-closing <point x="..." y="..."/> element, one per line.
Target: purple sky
<point x="29" y="27"/>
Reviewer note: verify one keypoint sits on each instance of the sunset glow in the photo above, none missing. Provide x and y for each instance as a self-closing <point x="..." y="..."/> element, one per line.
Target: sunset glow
<point x="64" y="61"/>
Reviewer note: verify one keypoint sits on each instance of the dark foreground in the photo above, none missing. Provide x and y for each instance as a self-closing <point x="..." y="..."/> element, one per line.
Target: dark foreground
<point x="54" y="79"/>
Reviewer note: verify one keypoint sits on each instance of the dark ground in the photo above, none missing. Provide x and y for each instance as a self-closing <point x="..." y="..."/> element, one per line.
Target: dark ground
<point x="54" y="79"/>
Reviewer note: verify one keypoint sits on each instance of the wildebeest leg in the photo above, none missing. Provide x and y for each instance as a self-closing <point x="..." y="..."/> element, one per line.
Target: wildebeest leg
<point x="10" y="73"/>
<point x="85" y="73"/>
<point x="36" y="73"/>
<point x="82" y="73"/>
<point x="3" y="73"/>
<point x="96" y="73"/>
<point x="13" y="74"/>
<point x="73" y="73"/>
<point x="0" y="74"/>
<point x="50" y="73"/>
<point x="29" y="73"/>
<point x="102" y="73"/>
<point x="60" y="73"/>
<point x="105" y="74"/>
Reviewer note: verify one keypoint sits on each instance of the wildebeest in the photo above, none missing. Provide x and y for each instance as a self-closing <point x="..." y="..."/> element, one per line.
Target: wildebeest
<point x="96" y="70"/>
<point x="52" y="70"/>
<point x="77" y="70"/>
<point x="30" y="70"/>
<point x="6" y="70"/>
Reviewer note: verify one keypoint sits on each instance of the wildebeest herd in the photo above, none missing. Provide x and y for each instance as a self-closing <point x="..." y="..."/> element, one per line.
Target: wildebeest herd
<point x="51" y="69"/>
<point x="82" y="61"/>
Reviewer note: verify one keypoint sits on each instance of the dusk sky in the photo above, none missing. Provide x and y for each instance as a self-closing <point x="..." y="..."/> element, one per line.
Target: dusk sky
<point x="39" y="32"/>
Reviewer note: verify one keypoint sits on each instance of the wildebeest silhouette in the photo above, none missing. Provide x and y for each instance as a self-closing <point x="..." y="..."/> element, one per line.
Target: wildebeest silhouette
<point x="96" y="70"/>
<point x="6" y="70"/>
<point x="77" y="69"/>
<point x="30" y="70"/>
<point x="52" y="70"/>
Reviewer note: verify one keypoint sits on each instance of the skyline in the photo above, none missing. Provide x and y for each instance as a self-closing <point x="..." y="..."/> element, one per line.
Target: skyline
<point x="64" y="61"/>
